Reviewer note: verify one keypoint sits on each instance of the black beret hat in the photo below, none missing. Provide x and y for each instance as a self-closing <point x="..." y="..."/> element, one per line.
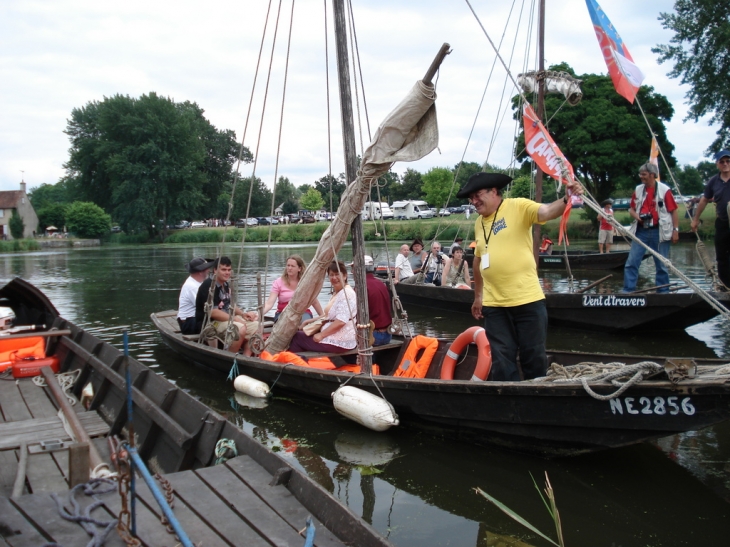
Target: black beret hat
<point x="479" y="181"/>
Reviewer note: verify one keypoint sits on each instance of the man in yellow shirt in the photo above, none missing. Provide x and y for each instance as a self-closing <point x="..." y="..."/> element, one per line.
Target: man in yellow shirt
<point x="507" y="294"/>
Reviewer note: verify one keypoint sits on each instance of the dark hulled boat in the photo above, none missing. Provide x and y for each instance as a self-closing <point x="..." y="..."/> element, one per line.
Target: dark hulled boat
<point x="549" y="419"/>
<point x="175" y="432"/>
<point x="611" y="312"/>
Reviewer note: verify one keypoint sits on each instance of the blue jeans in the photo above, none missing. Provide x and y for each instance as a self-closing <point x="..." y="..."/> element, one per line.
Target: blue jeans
<point x="650" y="236"/>
<point x="381" y="338"/>
<point x="518" y="329"/>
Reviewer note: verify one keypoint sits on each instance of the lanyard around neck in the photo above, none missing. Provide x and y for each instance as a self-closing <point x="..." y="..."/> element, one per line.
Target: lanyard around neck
<point x="491" y="230"/>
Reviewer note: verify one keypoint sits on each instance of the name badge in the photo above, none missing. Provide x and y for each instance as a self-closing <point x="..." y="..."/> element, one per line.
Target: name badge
<point x="484" y="264"/>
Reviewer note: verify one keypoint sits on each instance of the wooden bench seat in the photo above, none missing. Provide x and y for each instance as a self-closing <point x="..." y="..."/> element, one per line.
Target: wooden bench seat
<point x="395" y="344"/>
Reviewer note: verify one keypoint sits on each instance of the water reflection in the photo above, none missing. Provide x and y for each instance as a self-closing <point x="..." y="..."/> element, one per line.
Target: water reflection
<point x="414" y="488"/>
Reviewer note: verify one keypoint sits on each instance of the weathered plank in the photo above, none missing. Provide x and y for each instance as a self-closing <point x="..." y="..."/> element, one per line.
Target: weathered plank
<point x="43" y="512"/>
<point x="279" y="498"/>
<point x="36" y="399"/>
<point x="217" y="514"/>
<point x="46" y="429"/>
<point x="16" y="530"/>
<point x="13" y="406"/>
<point x="8" y="469"/>
<point x="196" y="529"/>
<point x="44" y="475"/>
<point x="248" y="506"/>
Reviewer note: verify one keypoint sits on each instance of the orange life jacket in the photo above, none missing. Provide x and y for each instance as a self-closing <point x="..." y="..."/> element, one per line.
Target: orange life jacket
<point x="413" y="367"/>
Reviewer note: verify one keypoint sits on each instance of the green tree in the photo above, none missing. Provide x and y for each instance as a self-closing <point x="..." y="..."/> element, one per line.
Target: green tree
<point x="149" y="159"/>
<point x="86" y="219"/>
<point x="53" y="214"/>
<point x="285" y="192"/>
<point x="605" y="137"/>
<point x="410" y="186"/>
<point x="326" y="184"/>
<point x="700" y="50"/>
<point x="50" y="194"/>
<point x="521" y="187"/>
<point x="312" y="200"/>
<point x="707" y="169"/>
<point x="260" y="199"/>
<point x="689" y="180"/>
<point x="386" y="184"/>
<point x="17" y="226"/>
<point x="437" y="185"/>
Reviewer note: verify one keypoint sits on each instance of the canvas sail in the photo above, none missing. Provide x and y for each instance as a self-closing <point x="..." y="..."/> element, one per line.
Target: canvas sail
<point x="408" y="133"/>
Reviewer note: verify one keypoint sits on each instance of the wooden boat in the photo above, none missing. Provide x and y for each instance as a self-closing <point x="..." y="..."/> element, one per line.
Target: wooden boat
<point x="549" y="419"/>
<point x="176" y="432"/>
<point x="612" y="312"/>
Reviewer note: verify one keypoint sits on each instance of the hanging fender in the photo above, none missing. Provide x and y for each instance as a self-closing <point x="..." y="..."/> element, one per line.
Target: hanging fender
<point x="484" y="363"/>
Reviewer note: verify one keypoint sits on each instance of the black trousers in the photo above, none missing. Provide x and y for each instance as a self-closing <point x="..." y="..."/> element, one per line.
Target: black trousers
<point x="722" y="250"/>
<point x="189" y="326"/>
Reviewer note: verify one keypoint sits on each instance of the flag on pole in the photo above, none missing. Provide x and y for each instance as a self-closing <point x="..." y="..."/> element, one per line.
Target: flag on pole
<point x="654" y="154"/>
<point x="626" y="76"/>
<point x="546" y="154"/>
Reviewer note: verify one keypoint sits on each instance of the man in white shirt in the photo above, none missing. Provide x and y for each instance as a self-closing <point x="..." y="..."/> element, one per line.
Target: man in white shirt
<point x="403" y="268"/>
<point x="198" y="269"/>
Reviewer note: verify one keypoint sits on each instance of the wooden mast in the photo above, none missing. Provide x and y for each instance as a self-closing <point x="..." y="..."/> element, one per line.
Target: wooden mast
<point x="536" y="231"/>
<point x="348" y="141"/>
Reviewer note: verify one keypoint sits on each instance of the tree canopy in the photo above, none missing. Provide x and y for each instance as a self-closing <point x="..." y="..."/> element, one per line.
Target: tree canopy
<point x="87" y="219"/>
<point x="16" y="224"/>
<point x="260" y="199"/>
<point x="437" y="185"/>
<point x="312" y="200"/>
<point x="149" y="159"/>
<point x="605" y="137"/>
<point x="700" y="51"/>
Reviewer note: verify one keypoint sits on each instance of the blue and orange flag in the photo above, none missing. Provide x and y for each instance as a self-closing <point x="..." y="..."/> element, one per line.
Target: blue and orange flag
<point x="626" y="76"/>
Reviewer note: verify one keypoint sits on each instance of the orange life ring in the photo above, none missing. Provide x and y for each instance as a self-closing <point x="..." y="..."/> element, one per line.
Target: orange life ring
<point x="474" y="335"/>
<point x="410" y="366"/>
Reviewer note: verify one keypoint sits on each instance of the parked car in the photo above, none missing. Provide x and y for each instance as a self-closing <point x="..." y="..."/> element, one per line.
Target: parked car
<point x="263" y="221"/>
<point x="252" y="221"/>
<point x="240" y="223"/>
<point x="182" y="225"/>
<point x="116" y="229"/>
<point x="444" y="213"/>
<point x="621" y="204"/>
<point x="273" y="220"/>
<point x="459" y="210"/>
<point x="197" y="224"/>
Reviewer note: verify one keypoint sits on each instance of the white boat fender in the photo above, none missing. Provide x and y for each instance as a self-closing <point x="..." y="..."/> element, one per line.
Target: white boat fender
<point x="364" y="408"/>
<point x="250" y="386"/>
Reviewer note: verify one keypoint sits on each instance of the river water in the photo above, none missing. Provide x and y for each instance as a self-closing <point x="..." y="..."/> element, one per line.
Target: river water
<point x="413" y="488"/>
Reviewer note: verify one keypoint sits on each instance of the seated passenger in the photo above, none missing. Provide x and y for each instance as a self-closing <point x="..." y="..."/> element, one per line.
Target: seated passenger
<point x="198" y="269"/>
<point x="435" y="264"/>
<point x="546" y="248"/>
<point x="245" y="322"/>
<point x="283" y="289"/>
<point x="456" y="271"/>
<point x="338" y="333"/>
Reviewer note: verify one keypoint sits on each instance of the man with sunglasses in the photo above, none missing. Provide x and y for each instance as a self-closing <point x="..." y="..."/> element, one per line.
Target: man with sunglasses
<point x="717" y="191"/>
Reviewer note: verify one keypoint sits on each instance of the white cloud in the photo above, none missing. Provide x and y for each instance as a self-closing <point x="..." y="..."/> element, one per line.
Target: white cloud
<point x="56" y="56"/>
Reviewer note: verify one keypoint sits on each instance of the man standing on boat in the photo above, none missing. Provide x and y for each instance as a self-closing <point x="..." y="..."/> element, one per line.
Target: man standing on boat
<point x="605" y="230"/>
<point x="656" y="223"/>
<point x="507" y="293"/>
<point x="717" y="191"/>
<point x="198" y="269"/>
<point x="378" y="304"/>
<point x="245" y="322"/>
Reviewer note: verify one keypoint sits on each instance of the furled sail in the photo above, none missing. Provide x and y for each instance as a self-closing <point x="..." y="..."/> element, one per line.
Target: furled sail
<point x="408" y="133"/>
<point x="560" y="83"/>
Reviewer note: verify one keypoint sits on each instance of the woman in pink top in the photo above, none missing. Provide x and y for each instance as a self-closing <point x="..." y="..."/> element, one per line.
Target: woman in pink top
<point x="283" y="288"/>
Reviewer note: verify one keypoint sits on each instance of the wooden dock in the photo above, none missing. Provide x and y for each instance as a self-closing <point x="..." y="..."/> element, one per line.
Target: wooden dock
<point x="237" y="503"/>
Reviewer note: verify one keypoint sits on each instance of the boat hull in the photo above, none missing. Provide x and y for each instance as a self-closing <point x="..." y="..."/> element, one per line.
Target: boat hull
<point x="545" y="419"/>
<point x="604" y="312"/>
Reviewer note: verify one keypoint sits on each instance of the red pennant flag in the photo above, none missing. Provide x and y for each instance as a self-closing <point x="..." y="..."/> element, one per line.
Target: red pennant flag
<point x="546" y="154"/>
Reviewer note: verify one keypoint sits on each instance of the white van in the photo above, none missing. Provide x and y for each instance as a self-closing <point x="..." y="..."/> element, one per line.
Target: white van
<point x="407" y="210"/>
<point x="373" y="210"/>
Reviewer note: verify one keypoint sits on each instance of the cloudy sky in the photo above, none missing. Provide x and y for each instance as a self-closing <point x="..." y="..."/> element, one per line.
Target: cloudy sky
<point x="57" y="55"/>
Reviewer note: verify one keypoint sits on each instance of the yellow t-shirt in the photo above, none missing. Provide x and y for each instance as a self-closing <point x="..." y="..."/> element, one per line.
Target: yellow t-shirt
<point x="511" y="278"/>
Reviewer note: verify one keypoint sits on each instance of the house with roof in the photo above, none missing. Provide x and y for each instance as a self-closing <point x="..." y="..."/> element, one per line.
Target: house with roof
<point x="17" y="200"/>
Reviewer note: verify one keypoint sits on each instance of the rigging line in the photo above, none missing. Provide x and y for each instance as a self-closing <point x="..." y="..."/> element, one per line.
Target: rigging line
<point x="359" y="68"/>
<point x="236" y="175"/>
<point x="219" y="252"/>
<point x="354" y="77"/>
<point x="327" y="81"/>
<point x="495" y="129"/>
<point x="278" y="149"/>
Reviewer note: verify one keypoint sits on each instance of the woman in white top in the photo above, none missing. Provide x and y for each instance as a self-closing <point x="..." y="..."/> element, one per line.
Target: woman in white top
<point x="338" y="333"/>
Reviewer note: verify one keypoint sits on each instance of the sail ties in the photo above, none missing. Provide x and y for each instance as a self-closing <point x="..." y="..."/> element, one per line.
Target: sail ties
<point x="560" y="83"/>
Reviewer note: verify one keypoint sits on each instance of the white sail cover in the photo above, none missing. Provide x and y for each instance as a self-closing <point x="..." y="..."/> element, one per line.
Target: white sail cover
<point x="561" y="83"/>
<point x="408" y="133"/>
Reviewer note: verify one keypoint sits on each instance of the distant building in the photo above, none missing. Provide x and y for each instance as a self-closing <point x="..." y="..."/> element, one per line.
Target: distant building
<point x="18" y="200"/>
